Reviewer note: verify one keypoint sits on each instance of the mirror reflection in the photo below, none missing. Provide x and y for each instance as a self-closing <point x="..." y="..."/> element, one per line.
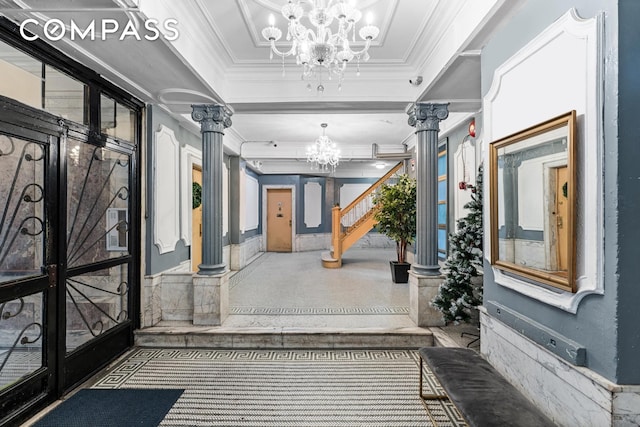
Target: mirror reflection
<point x="532" y="202"/>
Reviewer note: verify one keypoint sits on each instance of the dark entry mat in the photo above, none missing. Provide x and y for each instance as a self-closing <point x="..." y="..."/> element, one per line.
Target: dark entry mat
<point x="117" y="407"/>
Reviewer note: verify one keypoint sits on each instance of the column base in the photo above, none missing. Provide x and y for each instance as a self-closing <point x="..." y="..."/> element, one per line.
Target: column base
<point x="426" y="270"/>
<point x="210" y="299"/>
<point x="422" y="290"/>
<point x="211" y="270"/>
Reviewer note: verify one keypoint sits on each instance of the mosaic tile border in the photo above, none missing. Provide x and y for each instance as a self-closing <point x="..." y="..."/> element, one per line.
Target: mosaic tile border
<point x="240" y="275"/>
<point x="279" y="387"/>
<point x="317" y="310"/>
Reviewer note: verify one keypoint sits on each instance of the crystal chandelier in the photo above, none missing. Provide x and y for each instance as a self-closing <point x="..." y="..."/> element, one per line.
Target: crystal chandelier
<point x="323" y="153"/>
<point x="321" y="48"/>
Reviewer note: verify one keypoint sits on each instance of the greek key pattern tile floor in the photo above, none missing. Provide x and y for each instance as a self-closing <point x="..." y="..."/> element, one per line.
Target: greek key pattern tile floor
<point x="318" y="310"/>
<point x="286" y="388"/>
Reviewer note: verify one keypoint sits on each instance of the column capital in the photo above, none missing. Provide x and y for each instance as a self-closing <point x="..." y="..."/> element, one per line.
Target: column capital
<point x="212" y="117"/>
<point x="426" y="116"/>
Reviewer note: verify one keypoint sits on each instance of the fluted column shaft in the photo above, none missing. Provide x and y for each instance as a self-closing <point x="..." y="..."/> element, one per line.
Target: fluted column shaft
<point x="426" y="119"/>
<point x="213" y="120"/>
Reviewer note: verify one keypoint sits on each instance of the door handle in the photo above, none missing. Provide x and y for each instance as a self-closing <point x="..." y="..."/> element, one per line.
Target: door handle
<point x="289" y="223"/>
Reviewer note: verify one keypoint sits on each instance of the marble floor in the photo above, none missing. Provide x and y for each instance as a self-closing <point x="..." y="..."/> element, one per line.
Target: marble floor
<point x="292" y="299"/>
<point x="294" y="290"/>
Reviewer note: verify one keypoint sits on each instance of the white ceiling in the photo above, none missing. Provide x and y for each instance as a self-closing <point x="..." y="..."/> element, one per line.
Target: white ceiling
<point x="220" y="56"/>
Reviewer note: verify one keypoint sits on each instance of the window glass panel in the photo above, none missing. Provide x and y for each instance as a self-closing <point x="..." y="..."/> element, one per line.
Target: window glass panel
<point x="21" y="76"/>
<point x="442" y="165"/>
<point x="98" y="204"/>
<point x="116" y="120"/>
<point x="442" y="213"/>
<point x="442" y="240"/>
<point x="96" y="302"/>
<point x="22" y="170"/>
<point x="65" y="96"/>
<point x="21" y="340"/>
<point x="442" y="190"/>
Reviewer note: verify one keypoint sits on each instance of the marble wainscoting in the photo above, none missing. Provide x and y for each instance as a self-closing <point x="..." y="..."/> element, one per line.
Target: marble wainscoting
<point x="151" y="298"/>
<point x="568" y="394"/>
<point x="313" y="242"/>
<point x="322" y="241"/>
<point x="374" y="240"/>
<point x="243" y="253"/>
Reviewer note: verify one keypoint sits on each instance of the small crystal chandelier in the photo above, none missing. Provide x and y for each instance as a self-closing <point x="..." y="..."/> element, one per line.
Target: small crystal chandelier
<point x="323" y="153"/>
<point x="322" y="48"/>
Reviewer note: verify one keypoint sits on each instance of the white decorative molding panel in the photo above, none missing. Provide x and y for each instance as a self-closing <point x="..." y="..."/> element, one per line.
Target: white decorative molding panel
<point x="558" y="71"/>
<point x="251" y="201"/>
<point x="312" y="204"/>
<point x="166" y="178"/>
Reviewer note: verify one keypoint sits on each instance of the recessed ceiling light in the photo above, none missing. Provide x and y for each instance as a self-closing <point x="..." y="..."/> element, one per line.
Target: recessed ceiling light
<point x="380" y="165"/>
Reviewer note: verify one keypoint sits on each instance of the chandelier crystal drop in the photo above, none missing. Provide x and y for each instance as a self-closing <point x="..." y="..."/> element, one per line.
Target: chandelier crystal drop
<point x="323" y="153"/>
<point x="322" y="48"/>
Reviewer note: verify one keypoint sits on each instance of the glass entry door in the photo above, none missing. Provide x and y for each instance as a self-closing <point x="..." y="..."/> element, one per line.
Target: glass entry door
<point x="27" y="268"/>
<point x="66" y="264"/>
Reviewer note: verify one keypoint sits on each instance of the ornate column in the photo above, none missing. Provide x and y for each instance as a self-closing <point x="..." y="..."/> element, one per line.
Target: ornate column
<point x="213" y="120"/>
<point x="424" y="277"/>
<point x="426" y="119"/>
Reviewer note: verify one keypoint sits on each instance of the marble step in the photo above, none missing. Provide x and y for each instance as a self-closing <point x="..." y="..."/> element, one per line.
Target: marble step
<point x="277" y="337"/>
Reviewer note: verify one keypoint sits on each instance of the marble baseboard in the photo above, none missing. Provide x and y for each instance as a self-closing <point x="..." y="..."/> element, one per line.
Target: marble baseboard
<point x="568" y="394"/>
<point x="243" y="253"/>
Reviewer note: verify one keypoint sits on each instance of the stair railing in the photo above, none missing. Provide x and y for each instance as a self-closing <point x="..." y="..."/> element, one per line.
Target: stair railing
<point x="346" y="221"/>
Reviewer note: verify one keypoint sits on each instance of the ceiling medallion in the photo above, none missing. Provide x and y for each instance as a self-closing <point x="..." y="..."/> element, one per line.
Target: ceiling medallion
<point x="323" y="153"/>
<point x="321" y="48"/>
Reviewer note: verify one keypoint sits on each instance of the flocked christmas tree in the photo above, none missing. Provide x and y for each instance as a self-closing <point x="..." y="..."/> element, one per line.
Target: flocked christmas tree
<point x="458" y="294"/>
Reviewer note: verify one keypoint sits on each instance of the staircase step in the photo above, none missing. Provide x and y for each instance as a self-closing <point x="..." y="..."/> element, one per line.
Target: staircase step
<point x="279" y="338"/>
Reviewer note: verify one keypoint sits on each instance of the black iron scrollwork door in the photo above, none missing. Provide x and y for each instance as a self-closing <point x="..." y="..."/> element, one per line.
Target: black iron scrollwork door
<point x="66" y="257"/>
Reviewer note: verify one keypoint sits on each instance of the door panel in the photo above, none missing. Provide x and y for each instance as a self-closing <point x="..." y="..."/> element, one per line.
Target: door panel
<point x="21" y="338"/>
<point x="279" y="220"/>
<point x="196" y="226"/>
<point x="27" y="299"/>
<point x="95" y="280"/>
<point x="97" y="204"/>
<point x="96" y="302"/>
<point x="22" y="203"/>
<point x="562" y="211"/>
<point x="97" y="231"/>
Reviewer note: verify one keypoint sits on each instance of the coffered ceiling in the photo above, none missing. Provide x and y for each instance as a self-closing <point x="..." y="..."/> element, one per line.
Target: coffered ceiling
<point x="220" y="56"/>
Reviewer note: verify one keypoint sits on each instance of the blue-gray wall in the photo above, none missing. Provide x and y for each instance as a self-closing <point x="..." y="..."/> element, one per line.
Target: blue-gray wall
<point x="628" y="180"/>
<point x="156" y="262"/>
<point x="607" y="326"/>
<point x="299" y="181"/>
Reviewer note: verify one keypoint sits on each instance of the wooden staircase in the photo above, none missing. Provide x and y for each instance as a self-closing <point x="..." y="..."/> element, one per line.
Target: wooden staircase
<point x="348" y="225"/>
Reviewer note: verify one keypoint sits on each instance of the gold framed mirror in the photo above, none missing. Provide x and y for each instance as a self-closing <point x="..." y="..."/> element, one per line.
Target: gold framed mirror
<point x="532" y="203"/>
